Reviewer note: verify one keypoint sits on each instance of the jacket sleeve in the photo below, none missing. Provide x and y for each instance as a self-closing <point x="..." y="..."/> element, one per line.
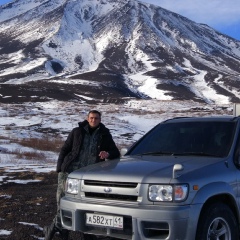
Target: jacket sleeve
<point x="66" y="148"/>
<point x="111" y="147"/>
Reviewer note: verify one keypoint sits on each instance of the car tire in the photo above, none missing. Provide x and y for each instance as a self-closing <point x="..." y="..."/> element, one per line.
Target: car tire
<point x="217" y="222"/>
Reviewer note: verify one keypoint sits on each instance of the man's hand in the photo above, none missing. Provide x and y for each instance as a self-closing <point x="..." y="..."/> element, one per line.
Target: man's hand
<point x="103" y="154"/>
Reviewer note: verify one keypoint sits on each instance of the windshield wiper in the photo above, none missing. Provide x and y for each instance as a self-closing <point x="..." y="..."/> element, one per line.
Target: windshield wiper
<point x="156" y="153"/>
<point x="178" y="154"/>
<point x="196" y="154"/>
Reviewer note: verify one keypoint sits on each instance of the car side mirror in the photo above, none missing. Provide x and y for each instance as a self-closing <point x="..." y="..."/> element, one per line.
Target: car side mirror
<point x="123" y="151"/>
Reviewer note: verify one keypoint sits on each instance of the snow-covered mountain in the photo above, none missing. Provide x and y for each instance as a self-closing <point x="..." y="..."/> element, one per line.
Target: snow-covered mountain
<point x="110" y="49"/>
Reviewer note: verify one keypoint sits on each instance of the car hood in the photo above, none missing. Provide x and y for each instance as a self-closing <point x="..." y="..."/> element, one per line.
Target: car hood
<point x="145" y="169"/>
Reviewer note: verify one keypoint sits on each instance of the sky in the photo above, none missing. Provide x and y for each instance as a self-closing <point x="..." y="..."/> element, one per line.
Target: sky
<point x="222" y="15"/>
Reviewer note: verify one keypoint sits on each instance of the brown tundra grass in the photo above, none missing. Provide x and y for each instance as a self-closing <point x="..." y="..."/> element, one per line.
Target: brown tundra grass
<point x="44" y="144"/>
<point x="28" y="155"/>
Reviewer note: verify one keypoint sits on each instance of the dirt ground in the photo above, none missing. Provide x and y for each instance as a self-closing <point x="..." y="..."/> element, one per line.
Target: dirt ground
<point x="26" y="208"/>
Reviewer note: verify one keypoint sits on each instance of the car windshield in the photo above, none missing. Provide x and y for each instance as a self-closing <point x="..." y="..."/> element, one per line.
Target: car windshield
<point x="187" y="138"/>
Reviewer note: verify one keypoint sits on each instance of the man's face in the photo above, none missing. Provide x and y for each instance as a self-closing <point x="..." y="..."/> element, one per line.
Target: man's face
<point x="93" y="120"/>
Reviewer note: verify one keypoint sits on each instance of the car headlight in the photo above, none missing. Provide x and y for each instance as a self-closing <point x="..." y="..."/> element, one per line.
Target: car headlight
<point x="168" y="193"/>
<point x="72" y="186"/>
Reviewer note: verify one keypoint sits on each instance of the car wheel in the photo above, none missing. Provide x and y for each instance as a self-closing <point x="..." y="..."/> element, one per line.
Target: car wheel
<point x="217" y="222"/>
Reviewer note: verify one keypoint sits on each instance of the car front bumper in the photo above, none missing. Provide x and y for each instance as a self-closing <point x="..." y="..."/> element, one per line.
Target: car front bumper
<point x="139" y="222"/>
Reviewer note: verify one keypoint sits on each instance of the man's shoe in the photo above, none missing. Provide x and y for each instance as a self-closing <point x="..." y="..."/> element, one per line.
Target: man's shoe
<point x="49" y="231"/>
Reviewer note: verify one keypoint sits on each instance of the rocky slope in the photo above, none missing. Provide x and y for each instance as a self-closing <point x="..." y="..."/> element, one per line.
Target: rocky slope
<point x="114" y="49"/>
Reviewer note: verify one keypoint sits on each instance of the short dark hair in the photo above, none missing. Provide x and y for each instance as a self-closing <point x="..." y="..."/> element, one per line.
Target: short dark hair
<point x="95" y="111"/>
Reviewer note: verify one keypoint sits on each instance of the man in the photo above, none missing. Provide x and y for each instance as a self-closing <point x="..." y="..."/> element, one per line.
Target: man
<point x="89" y="143"/>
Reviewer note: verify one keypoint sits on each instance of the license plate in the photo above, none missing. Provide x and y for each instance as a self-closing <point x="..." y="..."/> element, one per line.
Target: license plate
<point x="104" y="220"/>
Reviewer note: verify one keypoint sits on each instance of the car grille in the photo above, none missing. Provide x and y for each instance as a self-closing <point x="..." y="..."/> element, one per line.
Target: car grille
<point x="110" y="184"/>
<point x="111" y="196"/>
<point x="121" y="191"/>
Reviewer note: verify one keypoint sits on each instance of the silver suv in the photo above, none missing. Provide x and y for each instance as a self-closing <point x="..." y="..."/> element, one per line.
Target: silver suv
<point x="178" y="182"/>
